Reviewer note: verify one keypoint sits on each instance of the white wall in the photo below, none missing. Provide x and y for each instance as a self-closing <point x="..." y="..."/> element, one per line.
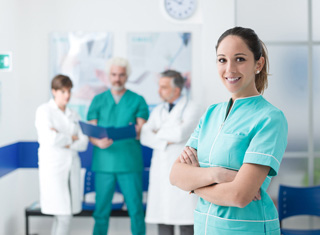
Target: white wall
<point x="40" y="18"/>
<point x="18" y="189"/>
<point x="33" y="21"/>
<point x="9" y="80"/>
<point x="218" y="17"/>
<point x="25" y="27"/>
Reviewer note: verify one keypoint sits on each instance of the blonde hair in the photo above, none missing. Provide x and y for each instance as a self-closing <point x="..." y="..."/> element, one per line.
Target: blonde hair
<point x="118" y="61"/>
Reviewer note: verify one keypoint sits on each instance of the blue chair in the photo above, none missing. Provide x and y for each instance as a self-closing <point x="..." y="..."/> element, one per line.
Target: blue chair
<point x="145" y="184"/>
<point x="293" y="201"/>
<point x="89" y="187"/>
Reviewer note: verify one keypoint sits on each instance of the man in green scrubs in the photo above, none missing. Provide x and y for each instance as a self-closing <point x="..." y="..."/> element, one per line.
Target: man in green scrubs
<point x="119" y="161"/>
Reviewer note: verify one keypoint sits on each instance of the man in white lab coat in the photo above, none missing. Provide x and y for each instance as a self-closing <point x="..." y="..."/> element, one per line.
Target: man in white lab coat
<point x="166" y="132"/>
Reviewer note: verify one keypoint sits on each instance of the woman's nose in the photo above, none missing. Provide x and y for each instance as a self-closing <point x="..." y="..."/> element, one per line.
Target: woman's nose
<point x="231" y="67"/>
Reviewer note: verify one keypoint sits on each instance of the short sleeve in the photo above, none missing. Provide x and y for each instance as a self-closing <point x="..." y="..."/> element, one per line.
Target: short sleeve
<point x="193" y="140"/>
<point x="143" y="110"/>
<point x="93" y="112"/>
<point x="269" y="142"/>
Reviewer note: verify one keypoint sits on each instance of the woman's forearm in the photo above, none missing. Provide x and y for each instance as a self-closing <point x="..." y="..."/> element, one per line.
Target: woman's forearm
<point x="188" y="177"/>
<point x="239" y="192"/>
<point x="221" y="194"/>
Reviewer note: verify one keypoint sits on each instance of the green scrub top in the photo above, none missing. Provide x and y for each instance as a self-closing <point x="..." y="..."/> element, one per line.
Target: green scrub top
<point x="255" y="132"/>
<point x="122" y="155"/>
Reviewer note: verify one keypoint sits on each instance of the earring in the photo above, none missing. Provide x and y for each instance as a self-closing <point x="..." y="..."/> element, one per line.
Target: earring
<point x="257" y="72"/>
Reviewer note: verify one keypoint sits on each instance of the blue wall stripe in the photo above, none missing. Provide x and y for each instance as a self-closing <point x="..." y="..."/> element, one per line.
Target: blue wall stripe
<point x="28" y="154"/>
<point x="25" y="155"/>
<point x="8" y="159"/>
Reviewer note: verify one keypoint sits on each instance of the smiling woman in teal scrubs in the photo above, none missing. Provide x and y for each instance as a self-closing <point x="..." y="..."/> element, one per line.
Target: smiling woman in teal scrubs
<point x="237" y="147"/>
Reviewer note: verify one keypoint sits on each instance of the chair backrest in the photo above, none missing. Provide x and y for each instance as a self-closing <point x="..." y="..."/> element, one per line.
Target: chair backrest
<point x="146" y="155"/>
<point x="89" y="182"/>
<point x="145" y="179"/>
<point x="298" y="201"/>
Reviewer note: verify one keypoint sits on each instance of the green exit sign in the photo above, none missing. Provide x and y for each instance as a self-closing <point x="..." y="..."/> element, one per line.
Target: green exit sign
<point x="5" y="61"/>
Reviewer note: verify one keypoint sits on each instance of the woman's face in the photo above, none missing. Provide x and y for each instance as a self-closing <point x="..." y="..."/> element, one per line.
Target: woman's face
<point x="237" y="67"/>
<point x="62" y="96"/>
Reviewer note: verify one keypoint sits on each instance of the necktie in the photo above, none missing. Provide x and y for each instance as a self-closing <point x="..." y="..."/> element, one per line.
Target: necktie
<point x="171" y="107"/>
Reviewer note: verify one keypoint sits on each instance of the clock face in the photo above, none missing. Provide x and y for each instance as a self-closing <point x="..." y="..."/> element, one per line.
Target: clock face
<point x="180" y="9"/>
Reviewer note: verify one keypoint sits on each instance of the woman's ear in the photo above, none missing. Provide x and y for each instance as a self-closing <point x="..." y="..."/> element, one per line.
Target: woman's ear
<point x="260" y="63"/>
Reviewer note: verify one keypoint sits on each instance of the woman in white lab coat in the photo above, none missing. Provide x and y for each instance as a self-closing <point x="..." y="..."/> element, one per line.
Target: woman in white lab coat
<point x="166" y="132"/>
<point x="60" y="139"/>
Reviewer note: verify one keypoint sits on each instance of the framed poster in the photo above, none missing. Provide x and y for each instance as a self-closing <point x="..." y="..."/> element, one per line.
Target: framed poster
<point x="81" y="56"/>
<point x="152" y="53"/>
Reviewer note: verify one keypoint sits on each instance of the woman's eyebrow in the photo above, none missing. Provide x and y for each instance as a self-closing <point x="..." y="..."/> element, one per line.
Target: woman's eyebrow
<point x="240" y="54"/>
<point x="237" y="54"/>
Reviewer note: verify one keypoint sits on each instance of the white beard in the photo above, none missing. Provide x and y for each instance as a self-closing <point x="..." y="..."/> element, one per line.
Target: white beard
<point x="117" y="88"/>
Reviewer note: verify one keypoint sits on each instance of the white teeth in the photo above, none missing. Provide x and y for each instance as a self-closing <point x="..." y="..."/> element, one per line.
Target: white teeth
<point x="233" y="79"/>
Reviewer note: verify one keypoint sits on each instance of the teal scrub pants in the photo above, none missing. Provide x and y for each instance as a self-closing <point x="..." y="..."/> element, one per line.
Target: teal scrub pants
<point x="131" y="188"/>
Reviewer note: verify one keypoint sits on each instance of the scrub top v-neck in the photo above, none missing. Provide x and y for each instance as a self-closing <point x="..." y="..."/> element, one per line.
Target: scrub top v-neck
<point x="122" y="155"/>
<point x="254" y="131"/>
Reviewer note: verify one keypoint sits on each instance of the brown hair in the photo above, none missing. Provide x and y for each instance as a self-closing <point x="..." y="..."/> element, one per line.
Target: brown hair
<point x="60" y="81"/>
<point x="257" y="47"/>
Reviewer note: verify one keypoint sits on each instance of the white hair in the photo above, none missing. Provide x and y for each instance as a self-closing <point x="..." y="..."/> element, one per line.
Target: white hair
<point x="118" y="61"/>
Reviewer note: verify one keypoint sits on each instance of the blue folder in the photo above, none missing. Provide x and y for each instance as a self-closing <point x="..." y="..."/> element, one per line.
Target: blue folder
<point x="114" y="133"/>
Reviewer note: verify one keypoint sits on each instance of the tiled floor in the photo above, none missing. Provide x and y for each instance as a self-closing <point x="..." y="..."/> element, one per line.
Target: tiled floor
<point x="83" y="226"/>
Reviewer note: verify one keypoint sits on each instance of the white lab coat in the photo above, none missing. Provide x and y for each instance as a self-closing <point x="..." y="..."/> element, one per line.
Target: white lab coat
<point x="168" y="204"/>
<point x="59" y="167"/>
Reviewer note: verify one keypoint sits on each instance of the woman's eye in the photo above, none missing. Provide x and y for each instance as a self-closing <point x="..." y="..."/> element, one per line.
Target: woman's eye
<point x="239" y="59"/>
<point x="221" y="60"/>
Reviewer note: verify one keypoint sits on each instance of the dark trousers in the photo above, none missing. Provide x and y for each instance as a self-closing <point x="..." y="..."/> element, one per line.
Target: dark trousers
<point x="165" y="229"/>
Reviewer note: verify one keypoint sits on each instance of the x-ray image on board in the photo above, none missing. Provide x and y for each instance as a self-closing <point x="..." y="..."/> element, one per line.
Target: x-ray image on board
<point x="82" y="56"/>
<point x="152" y="53"/>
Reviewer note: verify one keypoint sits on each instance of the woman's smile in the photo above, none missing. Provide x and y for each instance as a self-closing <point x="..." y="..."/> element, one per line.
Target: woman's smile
<point x="233" y="80"/>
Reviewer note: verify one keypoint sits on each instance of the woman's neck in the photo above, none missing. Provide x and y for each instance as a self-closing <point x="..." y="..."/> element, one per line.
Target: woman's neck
<point x="61" y="107"/>
<point x="247" y="94"/>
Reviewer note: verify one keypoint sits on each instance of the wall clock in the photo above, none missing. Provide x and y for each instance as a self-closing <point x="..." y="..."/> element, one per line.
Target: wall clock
<point x="180" y="9"/>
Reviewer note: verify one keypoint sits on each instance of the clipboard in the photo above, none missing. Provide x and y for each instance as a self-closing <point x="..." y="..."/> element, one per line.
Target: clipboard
<point x="114" y="133"/>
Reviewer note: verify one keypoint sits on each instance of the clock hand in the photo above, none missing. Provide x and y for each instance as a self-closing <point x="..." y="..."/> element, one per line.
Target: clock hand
<point x="177" y="1"/>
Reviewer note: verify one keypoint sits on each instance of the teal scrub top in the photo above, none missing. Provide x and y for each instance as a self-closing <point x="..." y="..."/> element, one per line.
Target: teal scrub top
<point x="122" y="155"/>
<point x="255" y="132"/>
